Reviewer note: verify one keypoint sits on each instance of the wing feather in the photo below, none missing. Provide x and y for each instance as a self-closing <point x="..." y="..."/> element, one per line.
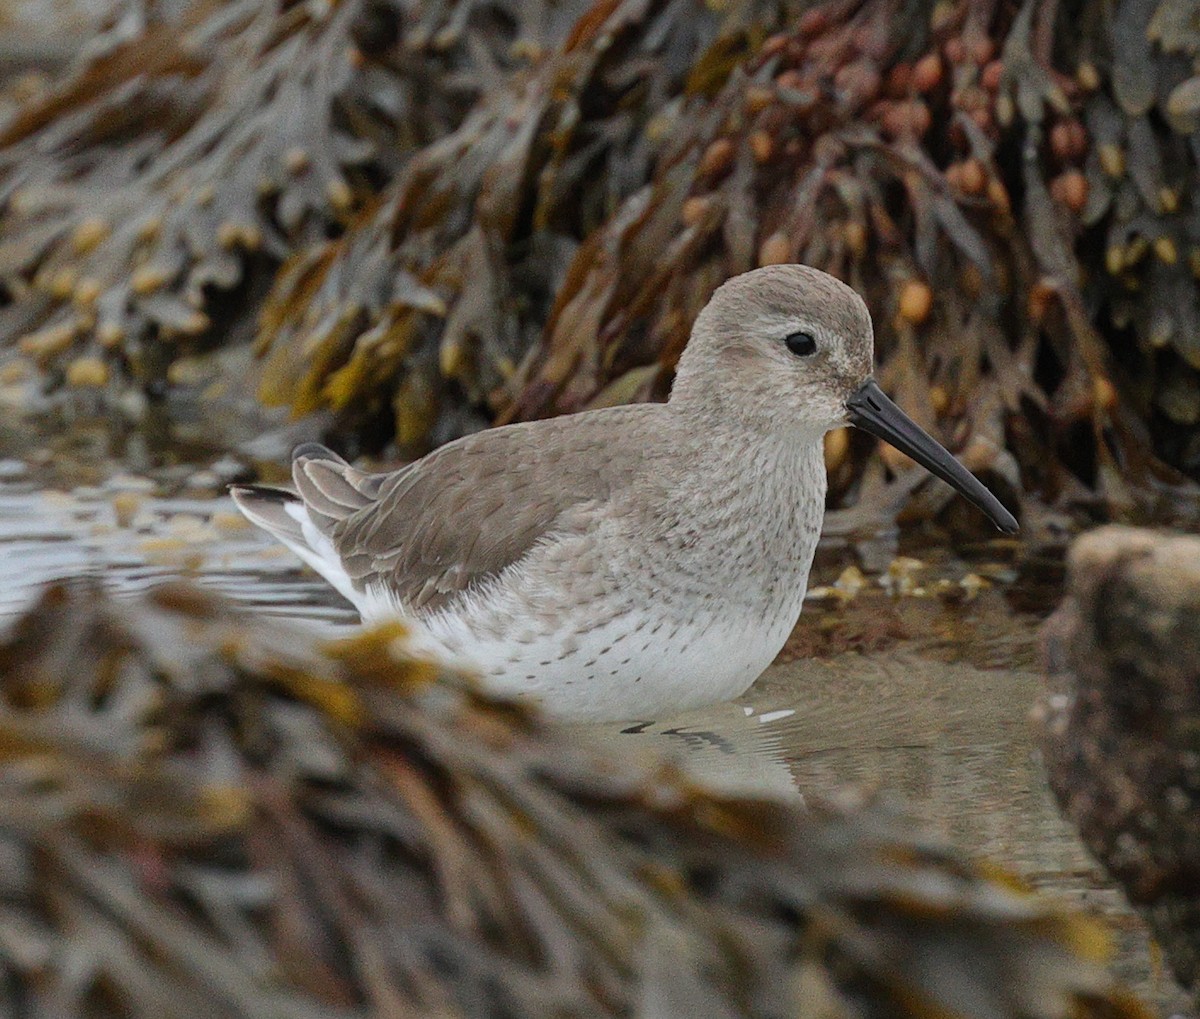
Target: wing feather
<point x="434" y="529"/>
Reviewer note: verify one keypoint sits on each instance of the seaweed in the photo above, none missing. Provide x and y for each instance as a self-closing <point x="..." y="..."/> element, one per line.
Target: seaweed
<point x="177" y="158"/>
<point x="944" y="162"/>
<point x="555" y="190"/>
<point x="209" y="814"/>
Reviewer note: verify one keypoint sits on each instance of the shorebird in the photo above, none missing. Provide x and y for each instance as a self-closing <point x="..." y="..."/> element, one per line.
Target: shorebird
<point x="626" y="562"/>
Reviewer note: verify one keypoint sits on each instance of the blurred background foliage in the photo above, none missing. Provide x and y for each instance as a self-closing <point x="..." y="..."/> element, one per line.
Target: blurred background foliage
<point x="427" y="217"/>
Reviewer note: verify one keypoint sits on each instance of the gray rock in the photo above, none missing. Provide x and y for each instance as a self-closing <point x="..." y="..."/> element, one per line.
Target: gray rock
<point x="1122" y="723"/>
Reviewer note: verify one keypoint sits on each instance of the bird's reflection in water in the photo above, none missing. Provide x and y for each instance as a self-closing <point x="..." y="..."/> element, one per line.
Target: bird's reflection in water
<point x="731" y="747"/>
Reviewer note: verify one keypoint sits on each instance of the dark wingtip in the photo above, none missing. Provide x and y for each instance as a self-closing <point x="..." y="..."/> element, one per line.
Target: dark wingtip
<point x="261" y="493"/>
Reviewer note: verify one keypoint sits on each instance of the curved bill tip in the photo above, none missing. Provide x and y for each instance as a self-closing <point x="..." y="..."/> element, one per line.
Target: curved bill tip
<point x="872" y="411"/>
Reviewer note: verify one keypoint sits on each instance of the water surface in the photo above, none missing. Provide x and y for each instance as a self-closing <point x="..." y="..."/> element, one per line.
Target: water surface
<point x="919" y="686"/>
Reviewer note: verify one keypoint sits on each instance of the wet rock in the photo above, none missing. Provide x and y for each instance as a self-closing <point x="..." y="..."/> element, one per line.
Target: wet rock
<point x="205" y="813"/>
<point x="1122" y="723"/>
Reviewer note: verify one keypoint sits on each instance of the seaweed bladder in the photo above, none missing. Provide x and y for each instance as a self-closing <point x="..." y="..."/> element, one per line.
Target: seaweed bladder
<point x="486" y="212"/>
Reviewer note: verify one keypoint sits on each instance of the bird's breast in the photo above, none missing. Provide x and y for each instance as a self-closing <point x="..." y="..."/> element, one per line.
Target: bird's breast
<point x="748" y="534"/>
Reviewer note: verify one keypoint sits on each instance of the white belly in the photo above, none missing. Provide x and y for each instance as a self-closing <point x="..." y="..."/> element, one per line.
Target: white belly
<point x="632" y="666"/>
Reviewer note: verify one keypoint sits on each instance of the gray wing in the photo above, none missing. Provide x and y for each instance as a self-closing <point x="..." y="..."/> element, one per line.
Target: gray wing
<point x="469" y="509"/>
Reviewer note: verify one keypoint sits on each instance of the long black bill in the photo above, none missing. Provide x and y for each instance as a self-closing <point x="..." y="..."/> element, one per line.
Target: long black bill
<point x="872" y="411"/>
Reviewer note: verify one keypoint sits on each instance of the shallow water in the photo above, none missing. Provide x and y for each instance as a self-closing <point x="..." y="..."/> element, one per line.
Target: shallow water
<point x="923" y="697"/>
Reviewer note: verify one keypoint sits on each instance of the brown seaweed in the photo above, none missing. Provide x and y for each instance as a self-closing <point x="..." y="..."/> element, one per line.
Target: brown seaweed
<point x="529" y="203"/>
<point x="169" y="163"/>
<point x="945" y="164"/>
<point x="209" y="814"/>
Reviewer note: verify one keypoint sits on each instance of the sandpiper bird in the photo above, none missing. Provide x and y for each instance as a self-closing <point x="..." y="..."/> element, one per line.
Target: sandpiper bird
<point x="632" y="561"/>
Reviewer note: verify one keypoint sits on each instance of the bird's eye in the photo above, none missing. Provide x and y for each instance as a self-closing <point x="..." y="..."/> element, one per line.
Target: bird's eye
<point x="801" y="344"/>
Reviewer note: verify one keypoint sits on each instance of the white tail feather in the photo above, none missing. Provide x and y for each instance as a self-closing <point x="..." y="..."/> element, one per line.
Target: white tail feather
<point x="282" y="515"/>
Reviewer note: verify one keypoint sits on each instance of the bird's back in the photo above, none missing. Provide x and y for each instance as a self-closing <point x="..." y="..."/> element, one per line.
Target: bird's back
<point x="447" y="523"/>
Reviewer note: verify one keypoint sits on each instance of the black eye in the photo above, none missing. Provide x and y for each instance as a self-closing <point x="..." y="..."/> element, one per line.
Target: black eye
<point x="801" y="344"/>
